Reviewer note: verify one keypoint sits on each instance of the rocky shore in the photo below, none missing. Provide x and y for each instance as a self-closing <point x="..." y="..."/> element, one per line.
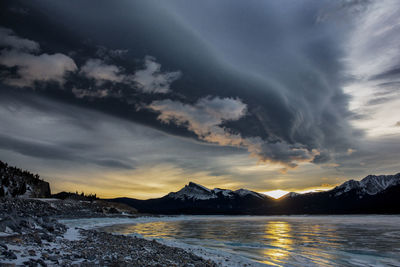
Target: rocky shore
<point x="30" y="235"/>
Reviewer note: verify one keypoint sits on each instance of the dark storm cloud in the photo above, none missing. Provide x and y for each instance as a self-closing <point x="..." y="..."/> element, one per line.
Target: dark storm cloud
<point x="29" y="126"/>
<point x="322" y="158"/>
<point x="277" y="58"/>
<point x="33" y="148"/>
<point x="291" y="63"/>
<point x="50" y="151"/>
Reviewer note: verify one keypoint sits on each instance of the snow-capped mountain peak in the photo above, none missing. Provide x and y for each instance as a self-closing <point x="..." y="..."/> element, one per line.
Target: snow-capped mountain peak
<point x="198" y="192"/>
<point x="291" y="194"/>
<point x="245" y="192"/>
<point x="224" y="192"/>
<point x="197" y="186"/>
<point x="193" y="191"/>
<point x="371" y="185"/>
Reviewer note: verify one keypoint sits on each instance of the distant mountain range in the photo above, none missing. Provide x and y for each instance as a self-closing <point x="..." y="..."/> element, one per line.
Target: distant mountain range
<point x="373" y="194"/>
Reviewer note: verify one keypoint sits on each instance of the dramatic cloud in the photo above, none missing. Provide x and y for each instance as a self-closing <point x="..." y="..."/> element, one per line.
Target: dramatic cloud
<point x="203" y="115"/>
<point x="98" y="70"/>
<point x="94" y="93"/>
<point x="31" y="67"/>
<point x="148" y="80"/>
<point x="9" y="39"/>
<point x="152" y="80"/>
<point x="106" y="53"/>
<point x="205" y="119"/>
<point x="19" y="52"/>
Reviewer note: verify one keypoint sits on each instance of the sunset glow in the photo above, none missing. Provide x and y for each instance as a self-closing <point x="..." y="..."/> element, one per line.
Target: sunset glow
<point x="276" y="193"/>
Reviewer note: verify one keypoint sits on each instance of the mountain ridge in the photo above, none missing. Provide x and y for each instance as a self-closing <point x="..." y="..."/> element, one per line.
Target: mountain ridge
<point x="371" y="184"/>
<point x="372" y="194"/>
<point x="199" y="192"/>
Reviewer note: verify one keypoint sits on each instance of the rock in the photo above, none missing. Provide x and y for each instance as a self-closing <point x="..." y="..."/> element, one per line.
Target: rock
<point x="49" y="227"/>
<point x="10" y="255"/>
<point x="3" y="246"/>
<point x="47" y="237"/>
<point x="95" y="248"/>
<point x="9" y="222"/>
<point x="27" y="223"/>
<point x="41" y="262"/>
<point x="113" y="211"/>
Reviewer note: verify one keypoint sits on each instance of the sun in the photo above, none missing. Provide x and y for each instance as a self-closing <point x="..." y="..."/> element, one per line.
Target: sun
<point x="276" y="193"/>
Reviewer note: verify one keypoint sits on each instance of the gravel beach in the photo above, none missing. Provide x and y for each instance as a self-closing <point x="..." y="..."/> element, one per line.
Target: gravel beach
<point x="30" y="235"/>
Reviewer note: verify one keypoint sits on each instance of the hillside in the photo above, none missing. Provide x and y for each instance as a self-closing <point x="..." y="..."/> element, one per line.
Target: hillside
<point x="17" y="182"/>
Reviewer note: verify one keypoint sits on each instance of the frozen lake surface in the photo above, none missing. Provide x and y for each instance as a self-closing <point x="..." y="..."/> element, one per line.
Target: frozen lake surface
<point x="371" y="240"/>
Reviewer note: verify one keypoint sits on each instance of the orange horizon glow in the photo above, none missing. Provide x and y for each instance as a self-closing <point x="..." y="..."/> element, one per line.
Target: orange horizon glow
<point x="278" y="193"/>
<point x="147" y="184"/>
<point x="145" y="194"/>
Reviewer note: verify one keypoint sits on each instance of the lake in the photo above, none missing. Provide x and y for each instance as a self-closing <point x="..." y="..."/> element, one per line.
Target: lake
<point x="371" y="240"/>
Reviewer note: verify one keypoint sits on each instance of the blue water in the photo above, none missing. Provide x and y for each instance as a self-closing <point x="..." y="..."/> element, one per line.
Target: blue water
<point x="285" y="240"/>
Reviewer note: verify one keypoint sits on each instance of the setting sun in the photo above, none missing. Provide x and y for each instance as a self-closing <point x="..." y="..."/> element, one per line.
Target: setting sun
<point x="276" y="193"/>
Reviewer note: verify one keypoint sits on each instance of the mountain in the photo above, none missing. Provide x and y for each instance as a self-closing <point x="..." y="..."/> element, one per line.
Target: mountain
<point x="290" y="195"/>
<point x="19" y="183"/>
<point x="370" y="185"/>
<point x="373" y="194"/>
<point x="195" y="191"/>
<point x="197" y="199"/>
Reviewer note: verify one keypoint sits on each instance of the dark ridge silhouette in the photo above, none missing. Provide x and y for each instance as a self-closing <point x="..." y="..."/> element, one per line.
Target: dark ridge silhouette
<point x="18" y="182"/>
<point x="372" y="195"/>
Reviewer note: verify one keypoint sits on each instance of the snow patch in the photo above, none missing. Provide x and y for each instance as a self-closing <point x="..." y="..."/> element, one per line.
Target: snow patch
<point x="72" y="234"/>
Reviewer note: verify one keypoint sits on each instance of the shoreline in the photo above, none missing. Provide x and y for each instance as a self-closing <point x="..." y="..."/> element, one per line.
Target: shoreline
<point x="31" y="234"/>
<point x="218" y="257"/>
<point x="81" y="247"/>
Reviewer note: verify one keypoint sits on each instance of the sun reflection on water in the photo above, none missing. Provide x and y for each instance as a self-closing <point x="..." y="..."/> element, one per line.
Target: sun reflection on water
<point x="282" y="241"/>
<point x="278" y="236"/>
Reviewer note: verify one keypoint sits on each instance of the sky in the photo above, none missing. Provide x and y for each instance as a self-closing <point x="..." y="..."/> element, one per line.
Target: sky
<point x="137" y="98"/>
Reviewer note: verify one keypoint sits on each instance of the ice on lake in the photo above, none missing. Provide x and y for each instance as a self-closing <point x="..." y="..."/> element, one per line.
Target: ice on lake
<point x="371" y="240"/>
